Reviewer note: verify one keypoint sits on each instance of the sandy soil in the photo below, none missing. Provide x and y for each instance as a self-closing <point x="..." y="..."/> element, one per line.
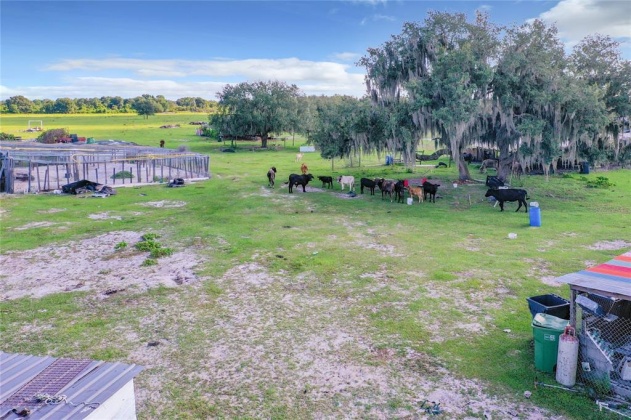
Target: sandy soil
<point x="267" y="336"/>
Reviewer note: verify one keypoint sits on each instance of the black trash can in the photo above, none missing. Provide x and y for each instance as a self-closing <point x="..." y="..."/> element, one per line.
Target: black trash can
<point x="550" y="304"/>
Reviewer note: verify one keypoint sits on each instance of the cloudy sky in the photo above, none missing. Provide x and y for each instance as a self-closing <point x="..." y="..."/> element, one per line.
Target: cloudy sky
<point x="53" y="49"/>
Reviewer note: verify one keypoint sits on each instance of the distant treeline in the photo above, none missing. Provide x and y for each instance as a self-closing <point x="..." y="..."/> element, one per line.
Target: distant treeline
<point x="102" y="105"/>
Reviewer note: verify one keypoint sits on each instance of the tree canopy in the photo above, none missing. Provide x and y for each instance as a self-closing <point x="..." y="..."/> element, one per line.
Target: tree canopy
<point x="256" y="109"/>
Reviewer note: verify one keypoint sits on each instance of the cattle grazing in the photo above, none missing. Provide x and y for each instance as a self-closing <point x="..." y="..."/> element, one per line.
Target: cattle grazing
<point x="387" y="187"/>
<point x="295" y="180"/>
<point x="509" y="194"/>
<point x="399" y="191"/>
<point x="346" y="180"/>
<point x="299" y="157"/>
<point x="327" y="181"/>
<point x="271" y="176"/>
<point x="304" y="169"/>
<point x="430" y="189"/>
<point x="517" y="170"/>
<point x="467" y="157"/>
<point x="416" y="192"/>
<point x="488" y="164"/>
<point x="161" y="143"/>
<point x="368" y="183"/>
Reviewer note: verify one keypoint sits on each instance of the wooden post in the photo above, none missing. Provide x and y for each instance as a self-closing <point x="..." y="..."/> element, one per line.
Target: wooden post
<point x="57" y="171"/>
<point x="30" y="171"/>
<point x="573" y="308"/>
<point x="39" y="187"/>
<point x="114" y="175"/>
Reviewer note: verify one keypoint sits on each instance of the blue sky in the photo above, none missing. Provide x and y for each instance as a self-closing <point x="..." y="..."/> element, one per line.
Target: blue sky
<point x="53" y="49"/>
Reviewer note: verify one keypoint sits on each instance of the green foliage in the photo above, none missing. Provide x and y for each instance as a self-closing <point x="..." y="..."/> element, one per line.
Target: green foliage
<point x="52" y="136"/>
<point x="149" y="262"/>
<point x="120" y="245"/>
<point x="149" y="236"/>
<point x="148" y="245"/>
<point x="122" y="175"/>
<point x="599" y="182"/>
<point x="8" y="137"/>
<point x="161" y="252"/>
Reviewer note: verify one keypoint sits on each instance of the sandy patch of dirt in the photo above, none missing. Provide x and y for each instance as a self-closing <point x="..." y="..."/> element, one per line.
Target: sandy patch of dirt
<point x="103" y="216"/>
<point x="267" y="338"/>
<point x="93" y="265"/>
<point x="35" y="225"/>
<point x="51" y="210"/>
<point x="164" y="204"/>
<point x="610" y="245"/>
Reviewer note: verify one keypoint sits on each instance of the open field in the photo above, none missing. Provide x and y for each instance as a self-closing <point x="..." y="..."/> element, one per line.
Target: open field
<point x="304" y="305"/>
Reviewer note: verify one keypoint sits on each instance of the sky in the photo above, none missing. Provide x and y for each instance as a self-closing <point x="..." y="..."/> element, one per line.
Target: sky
<point x="85" y="49"/>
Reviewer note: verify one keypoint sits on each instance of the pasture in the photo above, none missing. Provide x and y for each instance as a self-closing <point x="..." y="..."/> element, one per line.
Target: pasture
<point x="303" y="305"/>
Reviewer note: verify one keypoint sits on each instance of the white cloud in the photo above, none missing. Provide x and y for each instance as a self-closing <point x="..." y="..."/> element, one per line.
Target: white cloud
<point x="347" y="56"/>
<point x="180" y="78"/>
<point x="576" y="19"/>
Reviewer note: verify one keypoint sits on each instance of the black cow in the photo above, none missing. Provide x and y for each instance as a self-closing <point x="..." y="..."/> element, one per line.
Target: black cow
<point x="467" y="157"/>
<point x="430" y="189"/>
<point x="326" y="180"/>
<point x="295" y="179"/>
<point x="399" y="191"/>
<point x="509" y="195"/>
<point x="368" y="183"/>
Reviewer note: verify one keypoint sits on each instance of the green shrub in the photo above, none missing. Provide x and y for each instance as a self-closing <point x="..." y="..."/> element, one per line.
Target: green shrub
<point x="148" y="262"/>
<point x="149" y="237"/>
<point x="148" y="245"/>
<point x="161" y="252"/>
<point x="122" y="175"/>
<point x="8" y="137"/>
<point x="52" y="136"/>
<point x="599" y="182"/>
<point x="121" y="245"/>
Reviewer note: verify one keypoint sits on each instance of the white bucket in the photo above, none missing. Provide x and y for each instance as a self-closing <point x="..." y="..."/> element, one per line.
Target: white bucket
<point x="567" y="358"/>
<point x="410" y="201"/>
<point x="455" y="185"/>
<point x="534" y="204"/>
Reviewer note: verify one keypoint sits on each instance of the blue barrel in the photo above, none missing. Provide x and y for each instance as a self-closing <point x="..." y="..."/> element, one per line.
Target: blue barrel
<point x="535" y="216"/>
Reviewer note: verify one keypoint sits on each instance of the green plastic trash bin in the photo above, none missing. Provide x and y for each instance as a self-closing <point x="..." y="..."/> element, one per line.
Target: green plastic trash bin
<point x="546" y="330"/>
<point x="90" y="140"/>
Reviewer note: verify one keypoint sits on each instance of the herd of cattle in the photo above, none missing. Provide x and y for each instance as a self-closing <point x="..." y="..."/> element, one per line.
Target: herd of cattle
<point x="395" y="190"/>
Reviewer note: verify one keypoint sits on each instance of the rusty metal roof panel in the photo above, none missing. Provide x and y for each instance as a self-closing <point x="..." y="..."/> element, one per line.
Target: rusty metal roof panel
<point x="59" y="388"/>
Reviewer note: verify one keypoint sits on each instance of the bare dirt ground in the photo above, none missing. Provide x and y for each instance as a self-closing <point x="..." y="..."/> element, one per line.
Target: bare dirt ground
<point x="272" y="332"/>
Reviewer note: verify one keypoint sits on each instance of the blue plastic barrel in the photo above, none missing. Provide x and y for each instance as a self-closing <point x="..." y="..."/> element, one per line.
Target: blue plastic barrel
<point x="535" y="216"/>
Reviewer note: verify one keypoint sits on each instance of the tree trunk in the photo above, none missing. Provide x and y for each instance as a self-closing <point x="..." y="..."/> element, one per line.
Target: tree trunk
<point x="505" y="164"/>
<point x="264" y="141"/>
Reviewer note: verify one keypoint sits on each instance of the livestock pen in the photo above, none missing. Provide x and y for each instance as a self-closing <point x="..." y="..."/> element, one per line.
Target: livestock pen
<point x="33" y="167"/>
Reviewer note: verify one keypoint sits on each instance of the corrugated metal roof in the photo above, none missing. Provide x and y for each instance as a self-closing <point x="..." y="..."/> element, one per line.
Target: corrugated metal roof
<point x="79" y="386"/>
<point x="612" y="277"/>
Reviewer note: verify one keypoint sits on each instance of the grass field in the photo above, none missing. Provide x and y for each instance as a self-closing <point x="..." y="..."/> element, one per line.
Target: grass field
<point x="296" y="294"/>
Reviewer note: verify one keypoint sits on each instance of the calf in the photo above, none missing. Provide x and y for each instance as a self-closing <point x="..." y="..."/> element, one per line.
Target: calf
<point x="299" y="157"/>
<point x="271" y="176"/>
<point x="346" y="180"/>
<point x="399" y="191"/>
<point x="368" y="183"/>
<point x="430" y="189"/>
<point x="295" y="179"/>
<point x="304" y="169"/>
<point x="326" y="181"/>
<point x="416" y="192"/>
<point x="387" y="187"/>
<point x="509" y="195"/>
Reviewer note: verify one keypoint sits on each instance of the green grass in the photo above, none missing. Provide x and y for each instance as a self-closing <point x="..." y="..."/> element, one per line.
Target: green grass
<point x="445" y="261"/>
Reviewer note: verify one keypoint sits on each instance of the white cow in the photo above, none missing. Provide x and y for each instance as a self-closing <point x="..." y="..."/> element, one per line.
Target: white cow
<point x="347" y="180"/>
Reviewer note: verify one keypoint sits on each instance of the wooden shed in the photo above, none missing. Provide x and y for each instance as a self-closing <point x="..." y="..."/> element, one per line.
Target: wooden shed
<point x="56" y="388"/>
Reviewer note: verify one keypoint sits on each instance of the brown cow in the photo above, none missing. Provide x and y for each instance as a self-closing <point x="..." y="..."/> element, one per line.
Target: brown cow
<point x="304" y="169"/>
<point x="416" y="192"/>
